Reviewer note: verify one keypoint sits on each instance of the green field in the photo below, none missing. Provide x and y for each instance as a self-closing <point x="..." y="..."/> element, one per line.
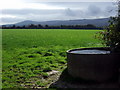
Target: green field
<point x="29" y="54"/>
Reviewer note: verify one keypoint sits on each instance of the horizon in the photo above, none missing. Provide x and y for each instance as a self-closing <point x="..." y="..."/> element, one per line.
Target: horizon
<point x="51" y="20"/>
<point x="51" y="11"/>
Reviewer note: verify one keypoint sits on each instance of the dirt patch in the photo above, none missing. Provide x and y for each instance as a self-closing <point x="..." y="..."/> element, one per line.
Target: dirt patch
<point x="42" y="82"/>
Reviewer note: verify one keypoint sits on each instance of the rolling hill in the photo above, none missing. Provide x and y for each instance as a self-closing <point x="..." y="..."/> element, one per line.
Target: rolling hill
<point x="97" y="22"/>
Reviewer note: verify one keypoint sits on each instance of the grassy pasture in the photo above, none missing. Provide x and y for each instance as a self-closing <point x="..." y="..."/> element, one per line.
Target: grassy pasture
<point x="28" y="54"/>
<point x="27" y="38"/>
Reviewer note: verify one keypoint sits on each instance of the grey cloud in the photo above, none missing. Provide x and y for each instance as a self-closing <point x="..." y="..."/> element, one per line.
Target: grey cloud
<point x="72" y="11"/>
<point x="45" y="16"/>
<point x="10" y="20"/>
<point x="79" y="4"/>
<point x="29" y="11"/>
<point x="69" y="12"/>
<point x="67" y="4"/>
<point x="94" y="10"/>
<point x="75" y="13"/>
<point x="110" y="10"/>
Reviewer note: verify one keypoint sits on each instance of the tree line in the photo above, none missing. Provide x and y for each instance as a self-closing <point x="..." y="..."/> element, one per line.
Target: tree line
<point x="39" y="26"/>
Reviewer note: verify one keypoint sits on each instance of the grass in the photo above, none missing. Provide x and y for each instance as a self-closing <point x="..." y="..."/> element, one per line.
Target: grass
<point x="27" y="38"/>
<point x="28" y="54"/>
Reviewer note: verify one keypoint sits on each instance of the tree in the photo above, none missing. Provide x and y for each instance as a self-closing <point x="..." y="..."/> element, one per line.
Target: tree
<point x="13" y="27"/>
<point x="111" y="36"/>
<point x="32" y="26"/>
<point x="40" y="26"/>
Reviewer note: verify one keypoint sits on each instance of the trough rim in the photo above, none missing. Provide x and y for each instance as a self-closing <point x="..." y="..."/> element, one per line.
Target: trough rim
<point x="99" y="48"/>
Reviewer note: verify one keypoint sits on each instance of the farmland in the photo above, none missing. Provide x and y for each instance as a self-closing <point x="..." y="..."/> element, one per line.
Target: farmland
<point x="29" y="54"/>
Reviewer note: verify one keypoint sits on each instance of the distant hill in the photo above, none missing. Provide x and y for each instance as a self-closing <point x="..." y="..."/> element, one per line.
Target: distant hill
<point x="97" y="22"/>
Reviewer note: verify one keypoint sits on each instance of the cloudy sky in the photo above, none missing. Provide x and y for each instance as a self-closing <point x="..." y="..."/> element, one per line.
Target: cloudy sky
<point x="14" y="11"/>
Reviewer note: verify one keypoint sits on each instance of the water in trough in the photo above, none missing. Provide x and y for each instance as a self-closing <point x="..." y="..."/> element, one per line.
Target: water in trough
<point x="90" y="52"/>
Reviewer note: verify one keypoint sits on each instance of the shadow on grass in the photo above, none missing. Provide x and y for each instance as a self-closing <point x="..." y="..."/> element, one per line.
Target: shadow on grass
<point x="67" y="81"/>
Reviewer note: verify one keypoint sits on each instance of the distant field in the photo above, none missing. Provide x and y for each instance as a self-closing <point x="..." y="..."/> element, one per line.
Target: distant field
<point x="27" y="38"/>
<point x="28" y="54"/>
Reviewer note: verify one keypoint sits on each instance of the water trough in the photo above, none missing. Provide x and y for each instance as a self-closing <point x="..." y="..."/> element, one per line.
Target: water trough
<point x="95" y="64"/>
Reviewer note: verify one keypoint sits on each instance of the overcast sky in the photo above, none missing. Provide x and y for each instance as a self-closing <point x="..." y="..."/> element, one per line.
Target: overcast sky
<point x="14" y="11"/>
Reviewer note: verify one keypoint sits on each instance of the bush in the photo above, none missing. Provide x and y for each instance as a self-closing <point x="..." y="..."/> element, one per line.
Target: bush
<point x="111" y="35"/>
